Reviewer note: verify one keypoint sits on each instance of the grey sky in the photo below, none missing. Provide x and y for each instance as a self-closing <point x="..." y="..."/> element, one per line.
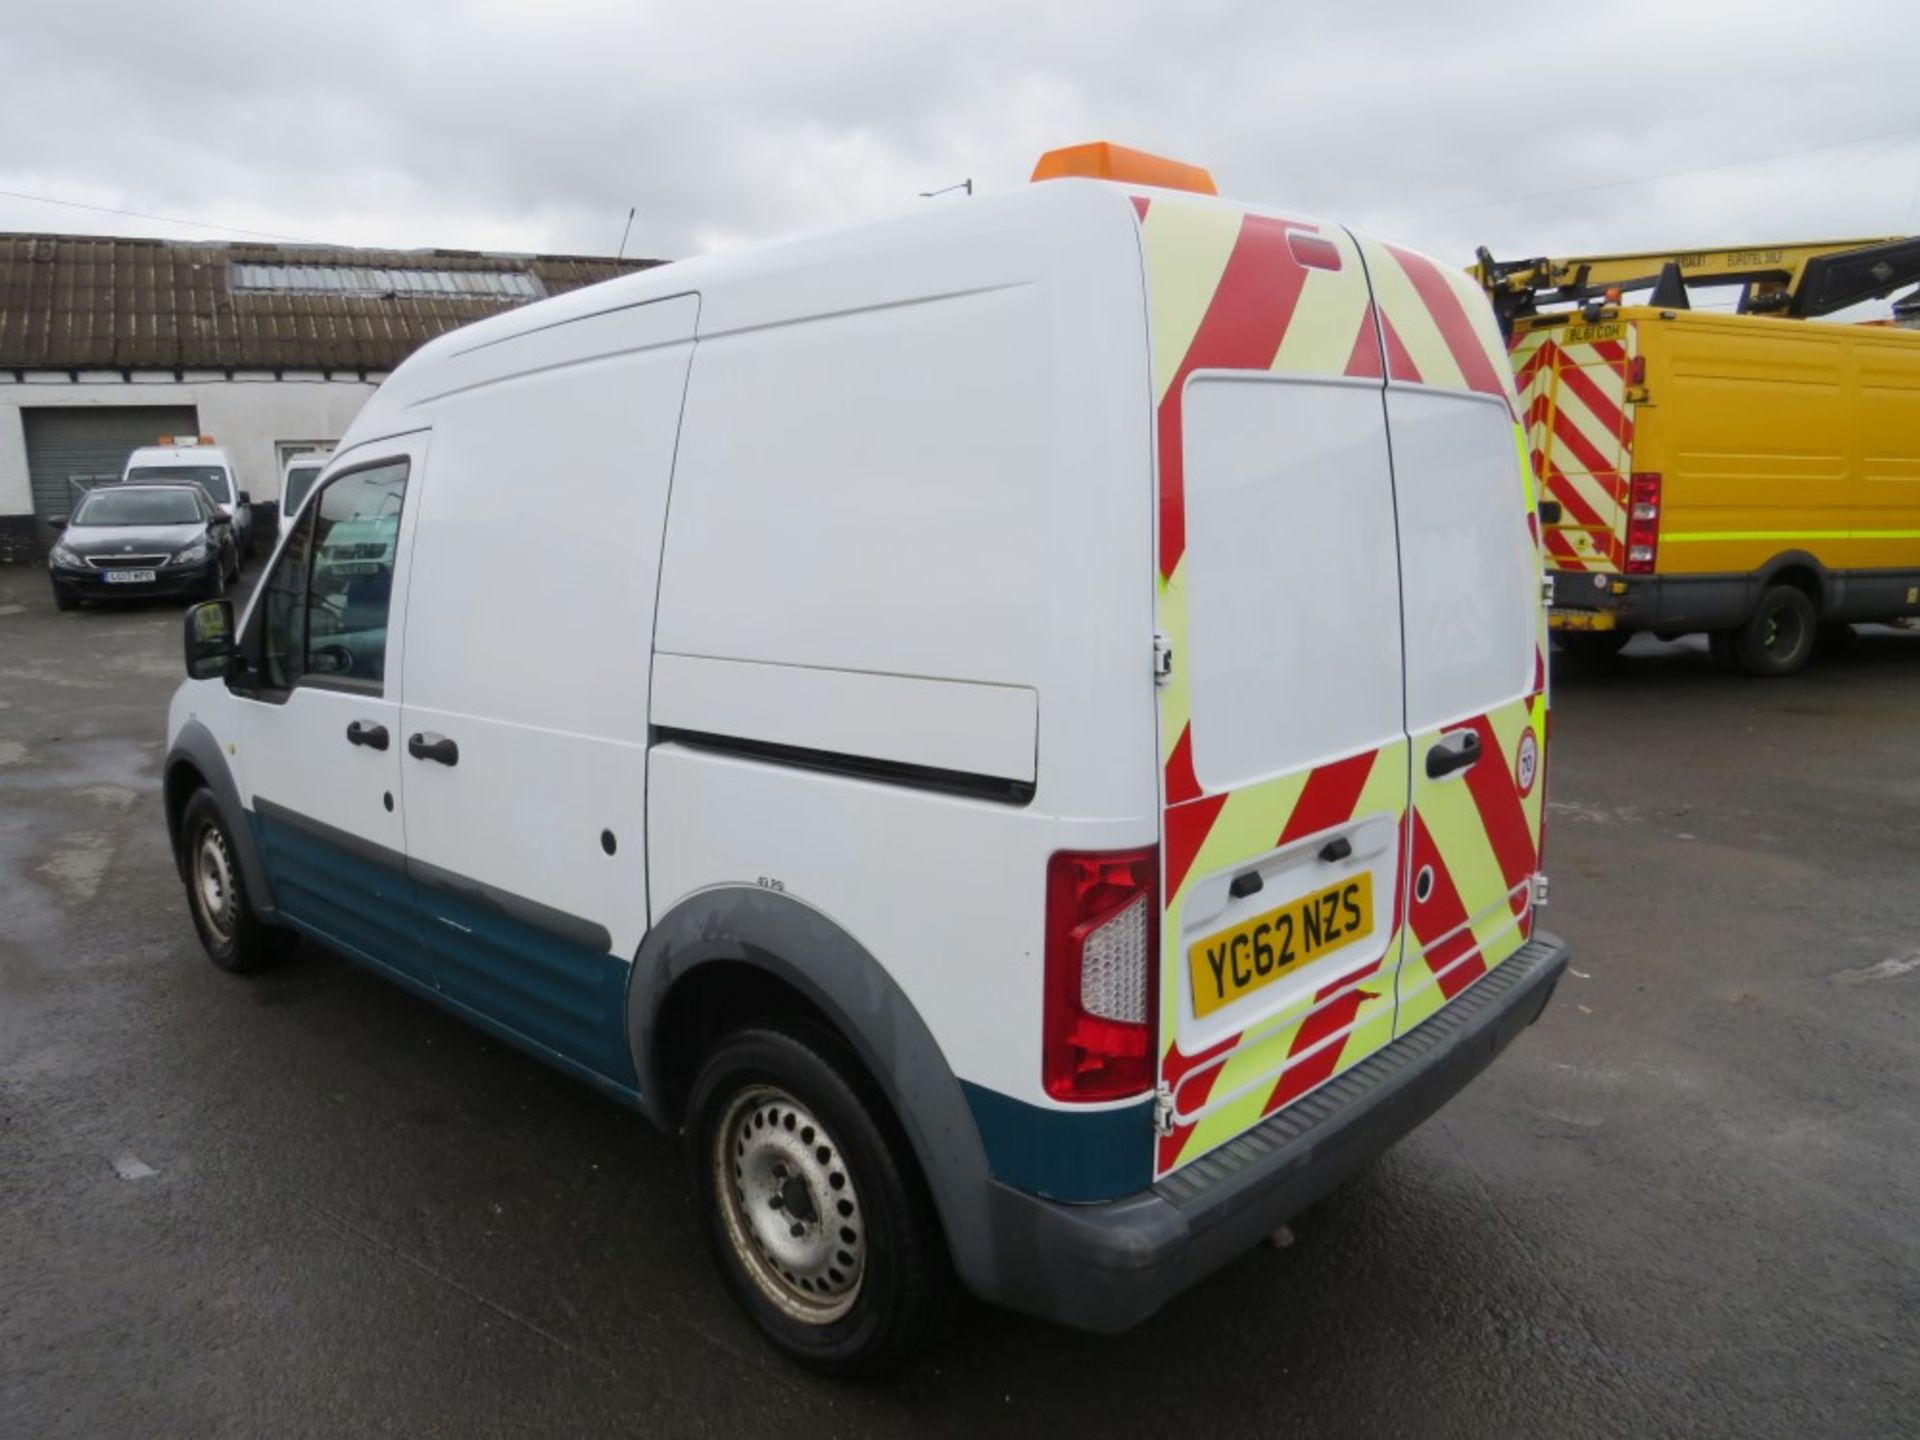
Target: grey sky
<point x="534" y="124"/>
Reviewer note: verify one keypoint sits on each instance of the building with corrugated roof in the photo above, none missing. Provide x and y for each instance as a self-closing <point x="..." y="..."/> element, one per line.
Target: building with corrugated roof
<point x="108" y="343"/>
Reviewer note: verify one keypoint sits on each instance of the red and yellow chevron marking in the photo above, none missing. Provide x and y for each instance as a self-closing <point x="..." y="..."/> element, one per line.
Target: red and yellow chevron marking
<point x="1437" y="326"/>
<point x="1232" y="290"/>
<point x="1480" y="838"/>
<point x="1580" y="433"/>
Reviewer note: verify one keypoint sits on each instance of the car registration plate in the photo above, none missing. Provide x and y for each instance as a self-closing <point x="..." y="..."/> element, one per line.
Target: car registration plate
<point x="1232" y="964"/>
<point x="129" y="577"/>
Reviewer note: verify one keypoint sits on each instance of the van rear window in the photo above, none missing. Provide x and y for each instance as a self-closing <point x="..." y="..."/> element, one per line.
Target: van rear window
<point x="1293" y="590"/>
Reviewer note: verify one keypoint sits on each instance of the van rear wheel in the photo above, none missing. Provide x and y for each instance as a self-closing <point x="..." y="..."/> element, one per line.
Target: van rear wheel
<point x="816" y="1216"/>
<point x="1778" y="637"/>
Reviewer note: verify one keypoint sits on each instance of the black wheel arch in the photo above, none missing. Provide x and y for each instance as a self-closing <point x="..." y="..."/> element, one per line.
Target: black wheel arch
<point x="733" y="954"/>
<point x="1802" y="571"/>
<point x="196" y="762"/>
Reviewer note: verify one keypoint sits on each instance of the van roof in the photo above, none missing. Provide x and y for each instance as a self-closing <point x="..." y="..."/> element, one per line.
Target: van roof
<point x="843" y="270"/>
<point x="180" y="454"/>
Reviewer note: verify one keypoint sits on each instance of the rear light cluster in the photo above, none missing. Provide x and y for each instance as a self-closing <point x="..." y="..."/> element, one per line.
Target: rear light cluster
<point x="1643" y="523"/>
<point x="1102" y="974"/>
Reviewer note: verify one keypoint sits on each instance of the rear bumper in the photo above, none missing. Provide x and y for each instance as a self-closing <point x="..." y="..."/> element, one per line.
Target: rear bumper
<point x="1108" y="1266"/>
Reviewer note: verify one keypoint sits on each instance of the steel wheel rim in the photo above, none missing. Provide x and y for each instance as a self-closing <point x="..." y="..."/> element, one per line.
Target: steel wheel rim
<point x="1784" y="633"/>
<point x="791" y="1212"/>
<point x="213" y="884"/>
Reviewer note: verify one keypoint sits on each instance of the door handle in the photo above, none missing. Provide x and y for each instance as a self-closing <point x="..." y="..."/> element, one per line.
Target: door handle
<point x="374" y="737"/>
<point x="1337" y="849"/>
<point x="1454" y="752"/>
<point x="433" y="747"/>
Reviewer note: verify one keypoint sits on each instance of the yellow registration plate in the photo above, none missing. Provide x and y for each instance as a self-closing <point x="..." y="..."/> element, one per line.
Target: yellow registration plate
<point x="1256" y="952"/>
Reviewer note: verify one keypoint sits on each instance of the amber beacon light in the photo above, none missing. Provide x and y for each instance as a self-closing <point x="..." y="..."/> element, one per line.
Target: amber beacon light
<point x="1103" y="160"/>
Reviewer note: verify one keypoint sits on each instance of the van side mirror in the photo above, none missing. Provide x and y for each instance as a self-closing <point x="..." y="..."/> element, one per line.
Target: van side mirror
<point x="221" y="517"/>
<point x="245" y="498"/>
<point x="209" y="639"/>
<point x="57" y="522"/>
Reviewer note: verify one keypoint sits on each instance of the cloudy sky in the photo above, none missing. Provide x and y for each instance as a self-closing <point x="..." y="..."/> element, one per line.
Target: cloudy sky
<point x="532" y="125"/>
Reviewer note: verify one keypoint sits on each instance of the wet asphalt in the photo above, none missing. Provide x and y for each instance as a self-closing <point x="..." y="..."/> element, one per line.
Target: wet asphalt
<point x="1686" y="1202"/>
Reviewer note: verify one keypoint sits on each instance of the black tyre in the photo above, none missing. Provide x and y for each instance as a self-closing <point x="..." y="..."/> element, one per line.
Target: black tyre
<point x="64" y="601"/>
<point x="815" y="1210"/>
<point x="216" y="585"/>
<point x="234" y="937"/>
<point x="1778" y="636"/>
<point x="1592" y="645"/>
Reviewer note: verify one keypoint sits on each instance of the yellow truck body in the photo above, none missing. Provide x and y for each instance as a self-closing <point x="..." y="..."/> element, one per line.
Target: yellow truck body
<point x="1694" y="465"/>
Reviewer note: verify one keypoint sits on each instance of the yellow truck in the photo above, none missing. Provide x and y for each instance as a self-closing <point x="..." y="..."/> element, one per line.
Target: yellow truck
<point x="1754" y="475"/>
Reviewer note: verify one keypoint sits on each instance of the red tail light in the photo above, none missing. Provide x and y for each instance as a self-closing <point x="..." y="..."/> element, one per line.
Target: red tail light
<point x="1643" y="524"/>
<point x="1102" y="974"/>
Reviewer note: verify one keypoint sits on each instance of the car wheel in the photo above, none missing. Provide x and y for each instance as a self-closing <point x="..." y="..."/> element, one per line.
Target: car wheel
<point x="234" y="937"/>
<point x="216" y="585"/>
<point x="815" y="1210"/>
<point x="64" y="601"/>
<point x="1778" y="636"/>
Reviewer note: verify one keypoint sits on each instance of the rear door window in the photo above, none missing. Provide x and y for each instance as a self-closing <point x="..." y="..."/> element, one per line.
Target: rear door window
<point x="1293" y="588"/>
<point x="1467" y="561"/>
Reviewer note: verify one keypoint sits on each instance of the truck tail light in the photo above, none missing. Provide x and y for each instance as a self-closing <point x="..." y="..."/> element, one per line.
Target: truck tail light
<point x="1643" y="523"/>
<point x="1102" y="974"/>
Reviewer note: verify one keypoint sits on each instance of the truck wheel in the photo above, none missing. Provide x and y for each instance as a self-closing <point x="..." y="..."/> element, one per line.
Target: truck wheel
<point x="1778" y="636"/>
<point x="816" y="1214"/>
<point x="234" y="937"/>
<point x="1592" y="644"/>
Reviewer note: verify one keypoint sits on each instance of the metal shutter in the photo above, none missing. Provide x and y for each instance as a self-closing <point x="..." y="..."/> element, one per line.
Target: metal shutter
<point x="73" y="447"/>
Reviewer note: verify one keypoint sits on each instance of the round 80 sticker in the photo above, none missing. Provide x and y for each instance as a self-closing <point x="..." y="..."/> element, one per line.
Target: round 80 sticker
<point x="1526" y="764"/>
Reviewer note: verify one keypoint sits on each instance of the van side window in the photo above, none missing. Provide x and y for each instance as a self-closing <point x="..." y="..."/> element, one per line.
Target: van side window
<point x="356" y="523"/>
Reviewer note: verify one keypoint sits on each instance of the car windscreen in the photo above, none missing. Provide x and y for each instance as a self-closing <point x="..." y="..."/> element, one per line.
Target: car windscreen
<point x="138" y="507"/>
<point x="210" y="478"/>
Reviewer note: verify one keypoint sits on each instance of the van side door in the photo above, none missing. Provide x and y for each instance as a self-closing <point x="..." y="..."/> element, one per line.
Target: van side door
<point x="1470" y="569"/>
<point x="318" y="710"/>
<point x="523" y="742"/>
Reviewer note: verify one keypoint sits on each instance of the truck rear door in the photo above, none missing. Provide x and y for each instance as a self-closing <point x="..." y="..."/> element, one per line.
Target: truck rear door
<point x="1285" y="763"/>
<point x="1474" y="630"/>
<point x="1575" y="403"/>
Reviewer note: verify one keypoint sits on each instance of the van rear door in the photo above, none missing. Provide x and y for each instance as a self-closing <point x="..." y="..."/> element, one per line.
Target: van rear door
<point x="1474" y="629"/>
<point x="1285" y="765"/>
<point x="1575" y="405"/>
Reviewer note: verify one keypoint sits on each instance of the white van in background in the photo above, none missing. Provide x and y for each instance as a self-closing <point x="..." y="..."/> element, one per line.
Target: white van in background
<point x="1030" y="755"/>
<point x="297" y="477"/>
<point x="180" y="458"/>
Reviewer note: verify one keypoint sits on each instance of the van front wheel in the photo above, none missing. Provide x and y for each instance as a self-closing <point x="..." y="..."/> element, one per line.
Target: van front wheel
<point x="816" y="1218"/>
<point x="233" y="936"/>
<point x="1778" y="636"/>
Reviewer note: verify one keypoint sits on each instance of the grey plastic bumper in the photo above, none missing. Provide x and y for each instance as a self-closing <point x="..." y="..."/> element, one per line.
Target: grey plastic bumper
<point x="1108" y="1266"/>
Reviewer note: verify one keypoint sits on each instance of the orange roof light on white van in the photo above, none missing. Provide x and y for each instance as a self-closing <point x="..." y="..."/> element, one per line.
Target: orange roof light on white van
<point x="1103" y="160"/>
<point x="181" y="442"/>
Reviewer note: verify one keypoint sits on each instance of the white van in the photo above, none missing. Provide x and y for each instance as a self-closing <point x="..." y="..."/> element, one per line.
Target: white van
<point x="1028" y="751"/>
<point x="177" y="459"/>
<point x="297" y="477"/>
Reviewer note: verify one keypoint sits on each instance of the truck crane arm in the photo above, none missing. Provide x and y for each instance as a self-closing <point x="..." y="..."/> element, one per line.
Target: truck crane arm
<point x="1801" y="279"/>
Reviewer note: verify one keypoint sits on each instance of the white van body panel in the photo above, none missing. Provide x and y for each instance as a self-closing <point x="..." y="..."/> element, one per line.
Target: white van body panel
<point x="560" y="473"/>
<point x="940" y="724"/>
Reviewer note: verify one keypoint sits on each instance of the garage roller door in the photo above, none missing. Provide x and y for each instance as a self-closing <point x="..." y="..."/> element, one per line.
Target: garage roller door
<point x="72" y="448"/>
